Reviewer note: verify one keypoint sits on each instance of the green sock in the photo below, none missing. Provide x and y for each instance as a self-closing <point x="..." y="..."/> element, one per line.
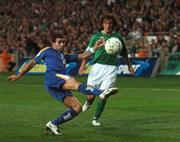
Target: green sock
<point x="99" y="109"/>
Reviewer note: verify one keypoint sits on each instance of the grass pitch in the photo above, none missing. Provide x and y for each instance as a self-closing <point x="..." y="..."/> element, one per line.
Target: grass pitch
<point x="145" y="110"/>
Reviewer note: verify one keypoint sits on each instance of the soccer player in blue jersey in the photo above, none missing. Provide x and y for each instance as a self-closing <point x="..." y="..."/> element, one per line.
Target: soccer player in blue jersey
<point x="60" y="85"/>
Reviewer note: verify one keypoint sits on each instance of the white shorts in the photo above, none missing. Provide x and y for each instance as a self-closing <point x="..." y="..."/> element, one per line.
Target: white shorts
<point x="102" y="76"/>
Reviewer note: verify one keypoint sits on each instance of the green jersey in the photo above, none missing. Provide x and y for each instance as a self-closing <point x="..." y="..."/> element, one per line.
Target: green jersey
<point x="100" y="56"/>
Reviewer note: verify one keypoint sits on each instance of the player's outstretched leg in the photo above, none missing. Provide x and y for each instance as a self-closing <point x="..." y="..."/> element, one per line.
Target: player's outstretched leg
<point x="108" y="92"/>
<point x="97" y="92"/>
<point x="72" y="84"/>
<point x="104" y="95"/>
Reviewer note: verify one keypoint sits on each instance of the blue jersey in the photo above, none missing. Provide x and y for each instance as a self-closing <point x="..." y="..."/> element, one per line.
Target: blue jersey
<point x="54" y="60"/>
<point x="55" y="77"/>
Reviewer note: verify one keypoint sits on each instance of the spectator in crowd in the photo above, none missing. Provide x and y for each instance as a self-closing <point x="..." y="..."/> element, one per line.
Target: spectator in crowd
<point x="133" y="50"/>
<point x="11" y="63"/>
<point x="176" y="46"/>
<point x="5" y="59"/>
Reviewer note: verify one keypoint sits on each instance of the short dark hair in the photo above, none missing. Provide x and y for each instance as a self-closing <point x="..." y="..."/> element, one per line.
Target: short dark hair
<point x="54" y="36"/>
<point x="109" y="17"/>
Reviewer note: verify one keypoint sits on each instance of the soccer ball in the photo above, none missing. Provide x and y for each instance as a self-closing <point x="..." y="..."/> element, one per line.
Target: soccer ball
<point x="113" y="45"/>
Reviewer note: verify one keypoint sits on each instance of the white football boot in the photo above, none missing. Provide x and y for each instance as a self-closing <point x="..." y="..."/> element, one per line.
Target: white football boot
<point x="96" y="123"/>
<point x="106" y="93"/>
<point x="53" y="128"/>
<point x="86" y="106"/>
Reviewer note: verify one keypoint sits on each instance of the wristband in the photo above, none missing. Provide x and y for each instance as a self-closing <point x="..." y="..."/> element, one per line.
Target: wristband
<point x="92" y="50"/>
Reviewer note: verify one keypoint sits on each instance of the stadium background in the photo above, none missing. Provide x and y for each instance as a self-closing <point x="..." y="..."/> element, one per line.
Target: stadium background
<point x="147" y="109"/>
<point x="150" y="28"/>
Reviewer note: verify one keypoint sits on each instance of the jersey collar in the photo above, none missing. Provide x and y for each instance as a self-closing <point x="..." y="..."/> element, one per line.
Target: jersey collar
<point x="107" y="34"/>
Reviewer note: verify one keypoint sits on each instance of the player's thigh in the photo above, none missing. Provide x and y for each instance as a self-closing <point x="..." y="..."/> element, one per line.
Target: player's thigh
<point x="95" y="75"/>
<point x="71" y="84"/>
<point x="72" y="102"/>
<point x="108" y="82"/>
<point x="66" y="82"/>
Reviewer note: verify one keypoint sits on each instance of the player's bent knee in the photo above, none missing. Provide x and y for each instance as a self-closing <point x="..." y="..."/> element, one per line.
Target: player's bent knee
<point x="77" y="108"/>
<point x="90" y="97"/>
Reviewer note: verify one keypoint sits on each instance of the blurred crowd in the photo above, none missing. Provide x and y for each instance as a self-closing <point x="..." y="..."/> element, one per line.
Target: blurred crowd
<point x="26" y="25"/>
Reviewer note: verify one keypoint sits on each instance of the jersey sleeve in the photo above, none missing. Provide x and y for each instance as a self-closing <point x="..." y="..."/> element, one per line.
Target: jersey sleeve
<point x="71" y="57"/>
<point x="91" y="43"/>
<point x="40" y="56"/>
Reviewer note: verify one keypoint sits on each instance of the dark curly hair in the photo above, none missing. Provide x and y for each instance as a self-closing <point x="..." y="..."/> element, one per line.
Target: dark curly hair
<point x="109" y="17"/>
<point x="54" y="36"/>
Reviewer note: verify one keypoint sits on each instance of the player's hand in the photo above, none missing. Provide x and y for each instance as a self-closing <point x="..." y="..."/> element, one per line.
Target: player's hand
<point x="131" y="70"/>
<point x="82" y="69"/>
<point x="13" y="78"/>
<point x="99" y="43"/>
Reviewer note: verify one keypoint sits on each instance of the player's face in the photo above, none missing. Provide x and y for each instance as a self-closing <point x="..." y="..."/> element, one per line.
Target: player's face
<point x="107" y="25"/>
<point x="59" y="44"/>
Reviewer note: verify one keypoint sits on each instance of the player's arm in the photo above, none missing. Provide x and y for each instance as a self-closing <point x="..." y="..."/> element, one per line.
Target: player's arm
<point x="29" y="65"/>
<point x="130" y="68"/>
<point x="124" y="54"/>
<point x="99" y="43"/>
<point x="25" y="69"/>
<point x="82" y="68"/>
<point x="91" y="44"/>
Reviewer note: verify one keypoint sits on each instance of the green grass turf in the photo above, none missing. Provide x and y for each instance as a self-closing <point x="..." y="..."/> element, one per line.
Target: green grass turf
<point x="145" y="110"/>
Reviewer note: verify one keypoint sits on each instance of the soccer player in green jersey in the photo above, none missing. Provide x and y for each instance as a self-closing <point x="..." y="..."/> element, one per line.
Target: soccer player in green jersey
<point x="104" y="70"/>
